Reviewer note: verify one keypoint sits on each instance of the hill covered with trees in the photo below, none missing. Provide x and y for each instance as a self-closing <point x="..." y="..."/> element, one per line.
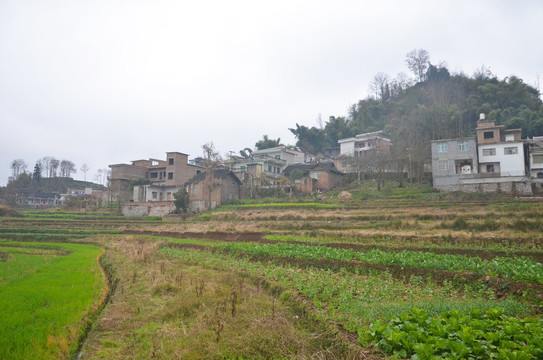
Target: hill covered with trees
<point x="434" y="105"/>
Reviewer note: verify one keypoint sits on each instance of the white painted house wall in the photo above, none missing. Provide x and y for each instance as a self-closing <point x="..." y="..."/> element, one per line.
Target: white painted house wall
<point x="346" y="146"/>
<point x="509" y="164"/>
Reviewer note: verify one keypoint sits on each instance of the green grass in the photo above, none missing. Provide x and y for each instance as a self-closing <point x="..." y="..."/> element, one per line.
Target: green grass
<point x="45" y="299"/>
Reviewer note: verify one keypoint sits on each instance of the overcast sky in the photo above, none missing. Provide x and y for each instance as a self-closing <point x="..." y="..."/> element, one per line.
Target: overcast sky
<point x="105" y="82"/>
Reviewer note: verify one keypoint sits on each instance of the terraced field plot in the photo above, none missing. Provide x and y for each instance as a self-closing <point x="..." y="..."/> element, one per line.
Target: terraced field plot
<point x="362" y="280"/>
<point x="47" y="293"/>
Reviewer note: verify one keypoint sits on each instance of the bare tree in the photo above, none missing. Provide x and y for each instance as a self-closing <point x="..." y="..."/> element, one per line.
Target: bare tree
<point x="417" y="61"/>
<point x="18" y="167"/>
<point x="380" y="162"/>
<point x="399" y="84"/>
<point x="380" y="86"/>
<point x="67" y="168"/>
<point x="53" y="167"/>
<point x="85" y="168"/>
<point x="45" y="165"/>
<point x="359" y="164"/>
<point x="212" y="160"/>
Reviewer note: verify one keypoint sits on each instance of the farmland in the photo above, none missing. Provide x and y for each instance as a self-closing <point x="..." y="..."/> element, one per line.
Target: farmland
<point x="401" y="273"/>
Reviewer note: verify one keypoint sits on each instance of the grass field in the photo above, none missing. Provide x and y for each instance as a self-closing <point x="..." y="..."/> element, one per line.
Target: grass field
<point x="318" y="279"/>
<point x="47" y="293"/>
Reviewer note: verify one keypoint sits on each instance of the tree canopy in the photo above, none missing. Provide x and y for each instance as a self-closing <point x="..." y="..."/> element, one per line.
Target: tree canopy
<point x="267" y="143"/>
<point x="435" y="105"/>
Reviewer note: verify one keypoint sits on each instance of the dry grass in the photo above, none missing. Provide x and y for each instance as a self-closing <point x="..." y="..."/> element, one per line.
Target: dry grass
<point x="164" y="308"/>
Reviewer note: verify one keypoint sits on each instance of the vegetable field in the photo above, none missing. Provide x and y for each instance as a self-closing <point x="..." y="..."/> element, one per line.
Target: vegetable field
<point x="411" y="276"/>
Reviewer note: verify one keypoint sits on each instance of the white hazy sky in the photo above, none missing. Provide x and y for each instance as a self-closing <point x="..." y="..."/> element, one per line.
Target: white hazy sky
<point x="110" y="81"/>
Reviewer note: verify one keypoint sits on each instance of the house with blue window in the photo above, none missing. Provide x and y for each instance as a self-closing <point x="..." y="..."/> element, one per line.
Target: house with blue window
<point x="493" y="161"/>
<point x="453" y="160"/>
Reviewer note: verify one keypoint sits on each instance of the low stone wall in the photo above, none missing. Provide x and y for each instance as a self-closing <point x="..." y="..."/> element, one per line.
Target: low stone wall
<point x="148" y="209"/>
<point x="520" y="188"/>
<point x="199" y="206"/>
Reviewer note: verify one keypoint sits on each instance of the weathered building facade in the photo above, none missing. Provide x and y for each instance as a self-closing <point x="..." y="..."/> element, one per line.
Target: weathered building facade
<point x="453" y="160"/>
<point x="307" y="178"/>
<point x="207" y="192"/>
<point x="152" y="179"/>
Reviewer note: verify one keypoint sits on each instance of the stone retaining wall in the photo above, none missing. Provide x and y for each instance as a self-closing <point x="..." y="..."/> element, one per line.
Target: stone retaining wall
<point x="520" y="188"/>
<point x="159" y="208"/>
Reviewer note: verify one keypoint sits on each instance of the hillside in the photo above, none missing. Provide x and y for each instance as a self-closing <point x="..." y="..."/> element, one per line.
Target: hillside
<point x="55" y="184"/>
<point x="438" y="107"/>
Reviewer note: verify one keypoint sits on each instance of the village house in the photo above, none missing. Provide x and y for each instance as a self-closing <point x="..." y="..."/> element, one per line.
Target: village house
<point x="535" y="151"/>
<point x="360" y="146"/>
<point x="158" y="179"/>
<point x="265" y="167"/>
<point x="307" y="178"/>
<point x="498" y="163"/>
<point x="37" y="199"/>
<point x="206" y="193"/>
<point x="500" y="151"/>
<point x="453" y="160"/>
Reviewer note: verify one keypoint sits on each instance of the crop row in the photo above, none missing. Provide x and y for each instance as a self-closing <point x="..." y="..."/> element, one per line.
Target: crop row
<point x="356" y="301"/>
<point x="85" y="216"/>
<point x="29" y="230"/>
<point x="458" y="335"/>
<point x="42" y="236"/>
<point x="516" y="268"/>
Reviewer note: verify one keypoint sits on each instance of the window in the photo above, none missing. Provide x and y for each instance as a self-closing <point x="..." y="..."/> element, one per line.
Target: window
<point x="462" y="145"/>
<point x="489" y="152"/>
<point x="154" y="175"/>
<point x="269" y="168"/>
<point x="155" y="195"/>
<point x="488" y="134"/>
<point x="443" y="165"/>
<point x="537" y="158"/>
<point x="442" y="147"/>
<point x="510" y="150"/>
<point x="490" y="168"/>
<point x="170" y="176"/>
<point x="194" y="190"/>
<point x="170" y="161"/>
<point x="510" y="137"/>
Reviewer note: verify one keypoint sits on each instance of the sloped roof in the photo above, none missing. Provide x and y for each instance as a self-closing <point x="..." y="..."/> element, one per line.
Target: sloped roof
<point x="307" y="168"/>
<point x="217" y="174"/>
<point x="36" y="193"/>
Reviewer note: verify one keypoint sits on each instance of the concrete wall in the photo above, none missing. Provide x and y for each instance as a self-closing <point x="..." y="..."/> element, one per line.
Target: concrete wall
<point x="510" y="165"/>
<point x="535" y="168"/>
<point x="230" y="189"/>
<point x="519" y="186"/>
<point x="148" y="209"/>
<point x="449" y="177"/>
<point x="347" y="148"/>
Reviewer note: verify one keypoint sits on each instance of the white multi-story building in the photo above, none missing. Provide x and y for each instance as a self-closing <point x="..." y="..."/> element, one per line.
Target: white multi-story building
<point x="359" y="144"/>
<point x="500" y="151"/>
<point x="535" y="146"/>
